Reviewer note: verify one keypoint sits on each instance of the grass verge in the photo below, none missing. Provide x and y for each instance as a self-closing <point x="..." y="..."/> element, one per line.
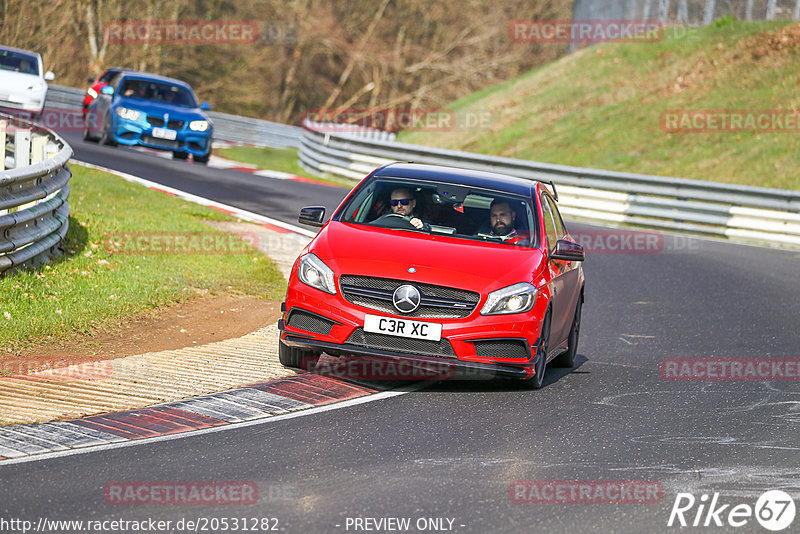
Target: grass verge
<point x="602" y="107"/>
<point x="104" y="275"/>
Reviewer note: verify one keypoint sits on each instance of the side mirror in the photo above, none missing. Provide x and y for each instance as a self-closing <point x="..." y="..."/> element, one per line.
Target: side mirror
<point x="107" y="90"/>
<point x="568" y="251"/>
<point x="312" y="216"/>
<point x="49" y="76"/>
<point x="205" y="106"/>
<point x="91" y="80"/>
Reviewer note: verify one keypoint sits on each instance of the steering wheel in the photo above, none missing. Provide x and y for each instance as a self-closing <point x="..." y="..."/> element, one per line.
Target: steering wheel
<point x="393" y="220"/>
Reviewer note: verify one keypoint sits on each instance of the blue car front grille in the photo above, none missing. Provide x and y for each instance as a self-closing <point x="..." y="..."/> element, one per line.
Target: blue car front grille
<point x="158" y="122"/>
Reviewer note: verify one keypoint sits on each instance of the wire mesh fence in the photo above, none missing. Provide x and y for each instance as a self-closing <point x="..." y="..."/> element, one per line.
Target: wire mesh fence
<point x="685" y="12"/>
<point x="692" y="12"/>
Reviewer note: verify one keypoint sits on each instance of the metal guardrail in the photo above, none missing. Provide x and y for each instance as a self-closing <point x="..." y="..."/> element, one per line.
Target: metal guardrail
<point x="34" y="208"/>
<point x="230" y="128"/>
<point x="734" y="211"/>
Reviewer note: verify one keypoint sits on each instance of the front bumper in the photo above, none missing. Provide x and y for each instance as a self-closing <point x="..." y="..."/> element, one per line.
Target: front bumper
<point x="431" y="368"/>
<point x="475" y="343"/>
<point x="127" y="132"/>
<point x="27" y="104"/>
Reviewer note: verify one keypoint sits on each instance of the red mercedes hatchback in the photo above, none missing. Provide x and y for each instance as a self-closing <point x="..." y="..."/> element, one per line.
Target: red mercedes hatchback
<point x="440" y="267"/>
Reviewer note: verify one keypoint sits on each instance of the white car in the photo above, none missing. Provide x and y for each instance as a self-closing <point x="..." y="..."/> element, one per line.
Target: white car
<point x="23" y="84"/>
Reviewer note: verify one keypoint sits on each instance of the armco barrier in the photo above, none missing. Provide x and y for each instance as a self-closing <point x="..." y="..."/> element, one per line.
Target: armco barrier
<point x="34" y="212"/>
<point x="229" y="128"/>
<point x="734" y="211"/>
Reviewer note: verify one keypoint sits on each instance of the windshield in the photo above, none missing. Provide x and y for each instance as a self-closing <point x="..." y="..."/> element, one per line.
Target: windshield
<point x="446" y="209"/>
<point x="19" y="62"/>
<point x="158" y="92"/>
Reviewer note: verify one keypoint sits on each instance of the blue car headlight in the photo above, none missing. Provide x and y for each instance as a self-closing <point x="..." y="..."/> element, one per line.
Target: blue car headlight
<point x="129" y="114"/>
<point x="198" y="126"/>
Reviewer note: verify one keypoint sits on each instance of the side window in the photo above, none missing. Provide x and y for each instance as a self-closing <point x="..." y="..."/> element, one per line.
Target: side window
<point x="549" y="225"/>
<point x="561" y="230"/>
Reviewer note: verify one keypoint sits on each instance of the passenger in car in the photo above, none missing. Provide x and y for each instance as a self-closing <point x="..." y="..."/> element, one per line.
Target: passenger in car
<point x="502" y="223"/>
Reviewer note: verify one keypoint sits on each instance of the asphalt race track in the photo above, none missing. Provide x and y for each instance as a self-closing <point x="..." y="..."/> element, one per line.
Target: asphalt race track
<point x="445" y="456"/>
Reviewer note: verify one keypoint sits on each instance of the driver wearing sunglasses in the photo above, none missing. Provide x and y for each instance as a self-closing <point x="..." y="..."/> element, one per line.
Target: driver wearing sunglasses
<point x="403" y="203"/>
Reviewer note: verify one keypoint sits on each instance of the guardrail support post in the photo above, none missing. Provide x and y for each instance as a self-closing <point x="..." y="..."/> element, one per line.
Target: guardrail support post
<point x="22" y="148"/>
<point x="3" y="126"/>
<point x="38" y="145"/>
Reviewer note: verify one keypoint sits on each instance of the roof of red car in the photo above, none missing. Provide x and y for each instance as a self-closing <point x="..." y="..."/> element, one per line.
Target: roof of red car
<point x="458" y="176"/>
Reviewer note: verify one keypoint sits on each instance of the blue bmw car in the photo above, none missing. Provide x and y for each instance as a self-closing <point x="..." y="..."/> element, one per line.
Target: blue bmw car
<point x="138" y="108"/>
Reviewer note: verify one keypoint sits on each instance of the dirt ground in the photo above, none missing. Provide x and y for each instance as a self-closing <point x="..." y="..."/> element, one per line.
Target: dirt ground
<point x="199" y="321"/>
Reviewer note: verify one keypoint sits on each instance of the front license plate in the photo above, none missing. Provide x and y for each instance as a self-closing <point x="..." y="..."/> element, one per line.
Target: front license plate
<point x="402" y="328"/>
<point x="165" y="133"/>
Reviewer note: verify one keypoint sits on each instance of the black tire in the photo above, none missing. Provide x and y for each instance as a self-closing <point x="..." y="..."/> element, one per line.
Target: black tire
<point x="297" y="358"/>
<point x="567" y="359"/>
<point x="105" y="136"/>
<point x="180" y="155"/>
<point x="86" y="135"/>
<point x="537" y="381"/>
<point x="203" y="159"/>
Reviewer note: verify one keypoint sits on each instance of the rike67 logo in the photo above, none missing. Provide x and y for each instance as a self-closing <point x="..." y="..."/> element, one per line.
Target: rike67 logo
<point x="774" y="510"/>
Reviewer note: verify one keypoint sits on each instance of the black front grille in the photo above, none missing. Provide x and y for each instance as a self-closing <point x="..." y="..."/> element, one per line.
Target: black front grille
<point x="502" y="348"/>
<point x="437" y="302"/>
<point x="167" y="143"/>
<point x="310" y="322"/>
<point x="417" y="347"/>
<point x="158" y="122"/>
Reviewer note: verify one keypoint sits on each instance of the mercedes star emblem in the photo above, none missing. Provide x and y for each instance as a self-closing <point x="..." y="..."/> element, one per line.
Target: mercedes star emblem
<point x="406" y="298"/>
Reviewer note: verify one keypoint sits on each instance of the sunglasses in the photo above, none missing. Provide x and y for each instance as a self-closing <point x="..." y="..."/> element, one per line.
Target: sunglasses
<point x="402" y="201"/>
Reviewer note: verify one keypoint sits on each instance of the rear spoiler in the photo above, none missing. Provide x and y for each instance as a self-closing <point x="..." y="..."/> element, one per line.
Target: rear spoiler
<point x="553" y="187"/>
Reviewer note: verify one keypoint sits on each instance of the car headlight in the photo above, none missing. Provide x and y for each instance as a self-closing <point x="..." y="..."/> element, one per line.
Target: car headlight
<point x="130" y="114"/>
<point x="92" y="92"/>
<point x="37" y="86"/>
<point x="518" y="298"/>
<point x="315" y="273"/>
<point x="198" y="126"/>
